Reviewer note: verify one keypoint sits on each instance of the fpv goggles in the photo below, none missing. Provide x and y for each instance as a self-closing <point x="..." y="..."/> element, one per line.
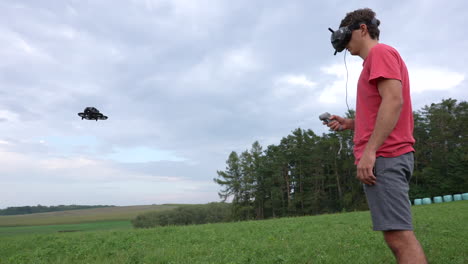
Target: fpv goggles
<point x="342" y="36"/>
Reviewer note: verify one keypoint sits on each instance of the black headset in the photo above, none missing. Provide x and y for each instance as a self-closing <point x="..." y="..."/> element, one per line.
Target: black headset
<point x="342" y="36"/>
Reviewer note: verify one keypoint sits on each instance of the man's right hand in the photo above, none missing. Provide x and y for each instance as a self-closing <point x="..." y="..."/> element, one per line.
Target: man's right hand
<point x="338" y="123"/>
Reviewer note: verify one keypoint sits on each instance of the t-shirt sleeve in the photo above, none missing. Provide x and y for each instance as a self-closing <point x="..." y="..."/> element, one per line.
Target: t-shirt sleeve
<point x="385" y="64"/>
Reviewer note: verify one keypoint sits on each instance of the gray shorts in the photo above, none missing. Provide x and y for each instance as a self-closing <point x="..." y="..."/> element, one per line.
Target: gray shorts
<point x="388" y="199"/>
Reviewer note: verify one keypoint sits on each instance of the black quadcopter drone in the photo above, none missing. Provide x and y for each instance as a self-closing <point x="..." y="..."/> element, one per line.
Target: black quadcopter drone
<point x="91" y="113"/>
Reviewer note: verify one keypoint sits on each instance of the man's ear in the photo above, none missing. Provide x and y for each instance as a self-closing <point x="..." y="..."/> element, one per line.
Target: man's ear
<point x="364" y="29"/>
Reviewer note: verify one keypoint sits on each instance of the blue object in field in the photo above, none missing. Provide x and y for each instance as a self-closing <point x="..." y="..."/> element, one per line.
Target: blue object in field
<point x="457" y="197"/>
<point x="465" y="196"/>
<point x="448" y="198"/>
<point x="417" y="201"/>
<point x="427" y="201"/>
<point x="438" y="199"/>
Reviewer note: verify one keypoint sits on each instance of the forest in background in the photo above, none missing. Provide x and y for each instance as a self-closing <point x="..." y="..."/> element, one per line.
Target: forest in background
<point x="19" y="210"/>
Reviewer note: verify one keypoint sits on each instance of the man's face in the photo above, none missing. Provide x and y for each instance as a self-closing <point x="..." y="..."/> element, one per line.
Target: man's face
<point x="355" y="44"/>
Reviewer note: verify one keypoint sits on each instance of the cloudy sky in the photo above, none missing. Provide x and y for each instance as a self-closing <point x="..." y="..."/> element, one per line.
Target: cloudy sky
<point x="184" y="83"/>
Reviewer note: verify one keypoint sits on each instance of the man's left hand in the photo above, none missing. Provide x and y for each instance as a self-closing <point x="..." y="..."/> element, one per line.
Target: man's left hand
<point x="365" y="168"/>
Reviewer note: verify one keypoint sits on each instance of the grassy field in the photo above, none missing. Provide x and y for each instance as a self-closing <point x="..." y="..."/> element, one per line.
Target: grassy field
<point x="337" y="238"/>
<point x="118" y="213"/>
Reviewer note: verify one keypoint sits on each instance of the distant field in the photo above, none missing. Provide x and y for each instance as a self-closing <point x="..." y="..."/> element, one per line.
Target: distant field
<point x="118" y="213"/>
<point x="335" y="238"/>
<point x="46" y="229"/>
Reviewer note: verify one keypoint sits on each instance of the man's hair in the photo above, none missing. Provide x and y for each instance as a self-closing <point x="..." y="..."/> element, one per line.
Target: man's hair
<point x="364" y="15"/>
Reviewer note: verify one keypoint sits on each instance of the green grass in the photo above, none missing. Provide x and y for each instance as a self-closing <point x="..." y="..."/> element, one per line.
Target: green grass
<point x="337" y="238"/>
<point x="118" y="213"/>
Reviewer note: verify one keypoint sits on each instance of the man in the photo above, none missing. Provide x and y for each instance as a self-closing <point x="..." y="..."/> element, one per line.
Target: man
<point x="383" y="134"/>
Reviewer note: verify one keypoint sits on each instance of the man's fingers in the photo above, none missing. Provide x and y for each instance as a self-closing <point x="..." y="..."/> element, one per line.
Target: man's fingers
<point x="370" y="176"/>
<point x="366" y="176"/>
<point x="335" y="125"/>
<point x="360" y="175"/>
<point x="337" y="118"/>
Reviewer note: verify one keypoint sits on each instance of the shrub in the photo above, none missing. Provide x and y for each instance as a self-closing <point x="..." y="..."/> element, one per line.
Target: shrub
<point x="185" y="215"/>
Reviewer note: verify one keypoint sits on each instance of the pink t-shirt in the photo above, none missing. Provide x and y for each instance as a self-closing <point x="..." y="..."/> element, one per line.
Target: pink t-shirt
<point x="382" y="62"/>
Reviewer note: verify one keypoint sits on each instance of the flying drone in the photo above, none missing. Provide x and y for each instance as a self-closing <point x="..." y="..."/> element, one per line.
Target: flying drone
<point x="91" y="113"/>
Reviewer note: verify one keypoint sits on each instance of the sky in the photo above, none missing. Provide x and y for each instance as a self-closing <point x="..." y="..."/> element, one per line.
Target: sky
<point x="184" y="83"/>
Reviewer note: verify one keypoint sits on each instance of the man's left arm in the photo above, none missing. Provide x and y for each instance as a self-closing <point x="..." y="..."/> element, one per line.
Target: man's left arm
<point x="389" y="112"/>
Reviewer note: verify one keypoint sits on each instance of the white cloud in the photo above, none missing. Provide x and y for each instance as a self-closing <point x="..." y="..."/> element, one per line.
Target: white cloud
<point x="64" y="163"/>
<point x="293" y="85"/>
<point x="16" y="47"/>
<point x="335" y="91"/>
<point x="8" y="115"/>
<point x="186" y="17"/>
<point x="430" y="78"/>
<point x="76" y="169"/>
<point x="240" y="61"/>
<point x="52" y="181"/>
<point x="143" y="154"/>
<point x="220" y="68"/>
<point x="422" y="78"/>
<point x="301" y="80"/>
<point x="67" y="32"/>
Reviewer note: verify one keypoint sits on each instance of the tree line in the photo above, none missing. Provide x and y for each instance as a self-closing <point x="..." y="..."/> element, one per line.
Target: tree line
<point x="185" y="215"/>
<point x="44" y="209"/>
<point x="308" y="174"/>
